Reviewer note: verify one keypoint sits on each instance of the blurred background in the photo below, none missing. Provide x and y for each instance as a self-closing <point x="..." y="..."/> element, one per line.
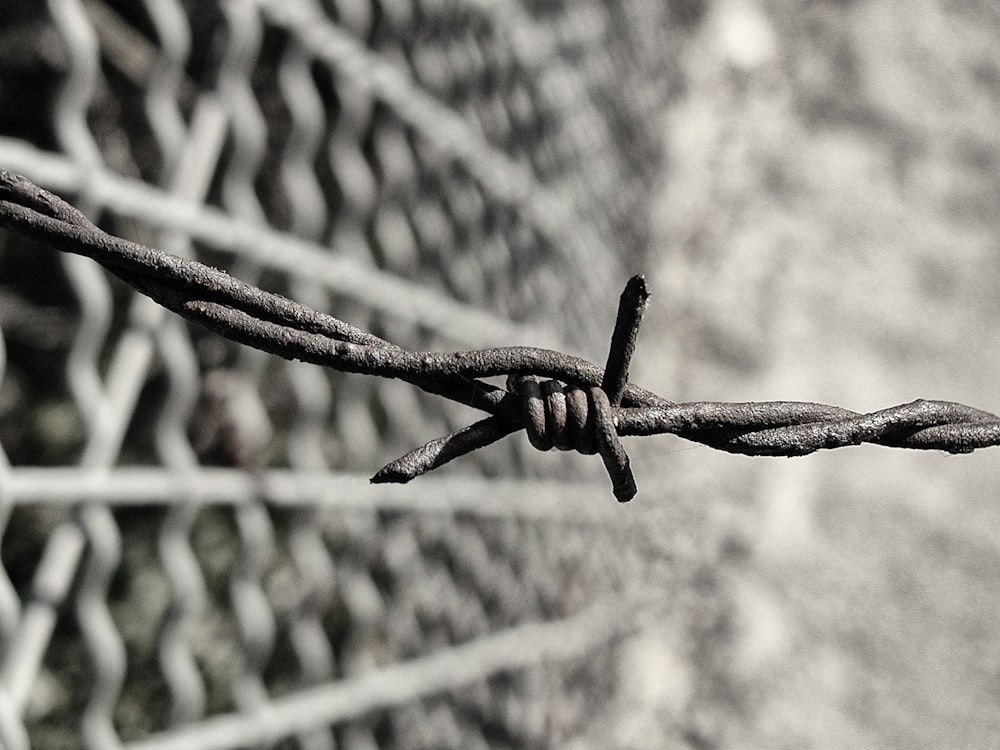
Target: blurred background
<point x="192" y="554"/>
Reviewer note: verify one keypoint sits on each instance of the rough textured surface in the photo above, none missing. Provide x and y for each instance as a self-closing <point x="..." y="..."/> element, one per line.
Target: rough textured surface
<point x="811" y="190"/>
<point x="829" y="232"/>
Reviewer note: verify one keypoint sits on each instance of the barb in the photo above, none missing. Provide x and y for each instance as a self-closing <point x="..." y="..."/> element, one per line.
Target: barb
<point x="561" y="401"/>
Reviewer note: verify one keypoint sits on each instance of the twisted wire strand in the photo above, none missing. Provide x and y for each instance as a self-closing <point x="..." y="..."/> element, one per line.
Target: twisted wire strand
<point x="551" y="413"/>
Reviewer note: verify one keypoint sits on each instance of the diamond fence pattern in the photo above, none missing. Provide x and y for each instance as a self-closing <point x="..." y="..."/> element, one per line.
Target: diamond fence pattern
<point x="192" y="556"/>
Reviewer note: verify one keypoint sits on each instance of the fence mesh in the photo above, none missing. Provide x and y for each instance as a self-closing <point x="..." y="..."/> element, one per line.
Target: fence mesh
<point x="192" y="556"/>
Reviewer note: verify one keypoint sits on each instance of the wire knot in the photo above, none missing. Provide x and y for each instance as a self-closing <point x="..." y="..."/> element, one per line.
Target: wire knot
<point x="574" y="418"/>
<point x="583" y="418"/>
<point x="560" y="416"/>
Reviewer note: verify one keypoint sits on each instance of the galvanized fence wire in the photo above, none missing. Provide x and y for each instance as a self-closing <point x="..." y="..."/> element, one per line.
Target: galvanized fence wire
<point x="190" y="557"/>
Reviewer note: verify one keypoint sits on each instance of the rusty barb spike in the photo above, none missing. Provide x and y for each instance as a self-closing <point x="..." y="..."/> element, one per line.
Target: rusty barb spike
<point x="562" y="402"/>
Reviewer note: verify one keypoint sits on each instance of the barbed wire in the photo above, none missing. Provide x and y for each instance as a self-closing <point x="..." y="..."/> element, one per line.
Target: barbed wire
<point x="561" y="401"/>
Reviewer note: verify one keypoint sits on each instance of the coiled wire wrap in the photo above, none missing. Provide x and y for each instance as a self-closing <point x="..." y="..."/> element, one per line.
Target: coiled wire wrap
<point x="573" y="418"/>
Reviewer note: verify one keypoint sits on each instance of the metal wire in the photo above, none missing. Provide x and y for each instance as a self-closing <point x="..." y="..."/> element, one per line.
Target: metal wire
<point x="554" y="416"/>
<point x="401" y="683"/>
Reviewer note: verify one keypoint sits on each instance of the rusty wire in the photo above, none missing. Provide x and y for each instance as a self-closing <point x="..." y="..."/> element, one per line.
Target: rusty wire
<point x="575" y="406"/>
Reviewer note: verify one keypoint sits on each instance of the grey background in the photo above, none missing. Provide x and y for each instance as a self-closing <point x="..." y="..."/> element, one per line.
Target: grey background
<point x="828" y="231"/>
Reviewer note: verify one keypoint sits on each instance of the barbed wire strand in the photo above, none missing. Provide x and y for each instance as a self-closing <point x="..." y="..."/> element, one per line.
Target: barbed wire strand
<point x="561" y="401"/>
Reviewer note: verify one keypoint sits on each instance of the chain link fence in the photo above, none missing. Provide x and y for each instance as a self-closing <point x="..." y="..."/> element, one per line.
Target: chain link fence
<point x="192" y="555"/>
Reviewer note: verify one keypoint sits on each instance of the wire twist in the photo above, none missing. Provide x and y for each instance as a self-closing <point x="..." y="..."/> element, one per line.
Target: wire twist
<point x="562" y="402"/>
